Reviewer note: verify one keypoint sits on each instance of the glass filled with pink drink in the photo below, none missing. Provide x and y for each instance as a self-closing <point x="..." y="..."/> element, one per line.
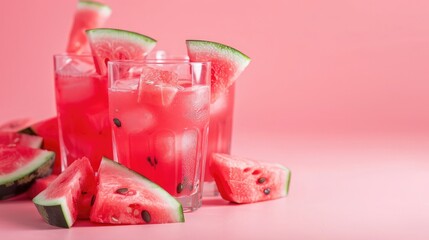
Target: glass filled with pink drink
<point x="82" y="107"/>
<point x="160" y="112"/>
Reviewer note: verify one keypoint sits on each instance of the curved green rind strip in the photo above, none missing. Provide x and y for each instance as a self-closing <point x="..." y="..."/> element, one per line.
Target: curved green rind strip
<point x="44" y="160"/>
<point x="120" y="34"/>
<point x="156" y="188"/>
<point x="218" y="46"/>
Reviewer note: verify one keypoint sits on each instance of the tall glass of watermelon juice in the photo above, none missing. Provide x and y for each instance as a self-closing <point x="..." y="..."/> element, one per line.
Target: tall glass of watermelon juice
<point x="82" y="107"/>
<point x="160" y="115"/>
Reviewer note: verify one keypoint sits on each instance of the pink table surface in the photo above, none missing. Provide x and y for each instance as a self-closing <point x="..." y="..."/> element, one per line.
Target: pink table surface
<point x="343" y="187"/>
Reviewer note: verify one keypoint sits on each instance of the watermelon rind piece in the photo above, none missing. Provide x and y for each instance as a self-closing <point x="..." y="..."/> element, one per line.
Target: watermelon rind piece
<point x="109" y="44"/>
<point x="227" y="63"/>
<point x="244" y="180"/>
<point x="104" y="208"/>
<point x="59" y="203"/>
<point x="18" y="181"/>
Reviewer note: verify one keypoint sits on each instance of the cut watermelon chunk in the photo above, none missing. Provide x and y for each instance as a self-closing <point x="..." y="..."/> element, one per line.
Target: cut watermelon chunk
<point x="116" y="44"/>
<point x="63" y="200"/>
<point x="48" y="130"/>
<point x="20" y="166"/>
<point x="126" y="197"/>
<point x="18" y="139"/>
<point x="40" y="185"/>
<point x="227" y="63"/>
<point x="89" y="14"/>
<point x="242" y="180"/>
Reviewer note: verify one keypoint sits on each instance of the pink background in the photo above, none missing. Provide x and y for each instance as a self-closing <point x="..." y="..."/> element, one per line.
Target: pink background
<point x="337" y="90"/>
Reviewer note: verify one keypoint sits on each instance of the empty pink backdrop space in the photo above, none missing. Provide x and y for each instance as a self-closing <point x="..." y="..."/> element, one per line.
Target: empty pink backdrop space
<point x="335" y="66"/>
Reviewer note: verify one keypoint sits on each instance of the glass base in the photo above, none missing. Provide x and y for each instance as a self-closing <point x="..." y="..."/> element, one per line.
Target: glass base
<point x="190" y="203"/>
<point x="210" y="189"/>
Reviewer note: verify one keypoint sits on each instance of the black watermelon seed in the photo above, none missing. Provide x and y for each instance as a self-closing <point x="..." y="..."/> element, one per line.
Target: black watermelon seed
<point x="179" y="188"/>
<point x="267" y="191"/>
<point x="149" y="159"/>
<point x="261" y="180"/>
<point x="83" y="192"/>
<point x="122" y="190"/>
<point x="117" y="122"/>
<point x="146" y="216"/>
<point x="155" y="160"/>
<point x="92" y="200"/>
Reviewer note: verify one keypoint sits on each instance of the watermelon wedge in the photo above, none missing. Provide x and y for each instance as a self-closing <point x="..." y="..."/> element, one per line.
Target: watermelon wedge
<point x="48" y="130"/>
<point x="61" y="202"/>
<point x="40" y="185"/>
<point x="18" y="139"/>
<point x="126" y="197"/>
<point x="20" y="166"/>
<point x="88" y="15"/>
<point x="227" y="63"/>
<point x="117" y="44"/>
<point x="242" y="180"/>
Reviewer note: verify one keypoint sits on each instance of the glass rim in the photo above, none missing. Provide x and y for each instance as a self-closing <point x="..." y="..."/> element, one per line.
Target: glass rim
<point x="73" y="55"/>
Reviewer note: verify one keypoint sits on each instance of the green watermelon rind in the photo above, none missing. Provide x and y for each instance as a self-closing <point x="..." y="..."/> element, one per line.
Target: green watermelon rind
<point x="20" y="181"/>
<point x="45" y="157"/>
<point x="102" y="33"/>
<point x="155" y="187"/>
<point x="43" y="206"/>
<point x="240" y="59"/>
<point x="97" y="6"/>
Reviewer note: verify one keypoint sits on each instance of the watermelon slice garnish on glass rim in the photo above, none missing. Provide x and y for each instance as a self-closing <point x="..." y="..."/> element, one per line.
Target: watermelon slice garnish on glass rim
<point x="116" y="44"/>
<point x="88" y="15"/>
<point x="227" y="63"/>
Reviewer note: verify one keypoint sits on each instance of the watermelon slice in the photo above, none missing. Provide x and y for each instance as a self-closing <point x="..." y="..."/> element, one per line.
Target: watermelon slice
<point x="20" y="166"/>
<point x="48" y="130"/>
<point x="227" y="63"/>
<point x="116" y="44"/>
<point x="126" y="197"/>
<point x="18" y="139"/>
<point x="89" y="14"/>
<point x="67" y="195"/>
<point x="40" y="185"/>
<point x="242" y="180"/>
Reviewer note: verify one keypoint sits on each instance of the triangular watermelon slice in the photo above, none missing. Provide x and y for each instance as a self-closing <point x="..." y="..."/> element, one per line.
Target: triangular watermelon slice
<point x="88" y="15"/>
<point x="227" y="63"/>
<point x="243" y="180"/>
<point x="126" y="197"/>
<point x="20" y="166"/>
<point x="67" y="196"/>
<point x="116" y="44"/>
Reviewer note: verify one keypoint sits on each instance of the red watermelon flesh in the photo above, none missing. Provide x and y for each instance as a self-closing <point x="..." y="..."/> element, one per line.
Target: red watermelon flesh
<point x="61" y="202"/>
<point x="242" y="180"/>
<point x="88" y="15"/>
<point x="18" y="139"/>
<point x="48" y="130"/>
<point x="39" y="185"/>
<point x="126" y="197"/>
<point x="20" y="166"/>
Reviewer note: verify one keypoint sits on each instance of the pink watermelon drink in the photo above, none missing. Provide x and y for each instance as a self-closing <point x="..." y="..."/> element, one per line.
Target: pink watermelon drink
<point x="227" y="65"/>
<point x="160" y="116"/>
<point x="82" y="106"/>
